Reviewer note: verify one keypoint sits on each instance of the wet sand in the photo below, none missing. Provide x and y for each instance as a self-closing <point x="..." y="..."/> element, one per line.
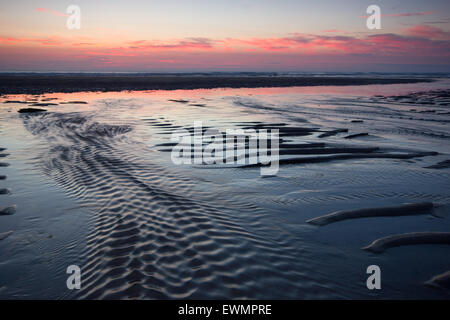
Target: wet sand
<point x="153" y="229"/>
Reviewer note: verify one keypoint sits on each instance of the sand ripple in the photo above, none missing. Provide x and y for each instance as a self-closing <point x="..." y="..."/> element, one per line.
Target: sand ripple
<point x="156" y="236"/>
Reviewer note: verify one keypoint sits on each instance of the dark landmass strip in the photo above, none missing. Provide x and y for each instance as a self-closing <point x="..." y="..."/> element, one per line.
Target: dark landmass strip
<point x="38" y="84"/>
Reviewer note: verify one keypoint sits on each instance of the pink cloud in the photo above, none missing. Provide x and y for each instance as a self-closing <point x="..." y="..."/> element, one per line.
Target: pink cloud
<point x="115" y="52"/>
<point x="419" y="38"/>
<point x="57" y="58"/>
<point x="416" y="40"/>
<point x="410" y="14"/>
<point x="419" y="44"/>
<point x="299" y="42"/>
<point x="52" y="12"/>
<point x="10" y="40"/>
<point x="332" y="31"/>
<point x="82" y="44"/>
<point x="407" y="14"/>
<point x="190" y="43"/>
<point x="51" y="41"/>
<point x="428" y="32"/>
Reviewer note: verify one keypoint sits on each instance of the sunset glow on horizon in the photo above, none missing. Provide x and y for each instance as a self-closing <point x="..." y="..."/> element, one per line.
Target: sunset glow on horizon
<point x="157" y="36"/>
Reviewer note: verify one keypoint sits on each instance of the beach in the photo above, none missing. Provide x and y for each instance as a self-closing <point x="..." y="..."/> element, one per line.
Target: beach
<point x="89" y="180"/>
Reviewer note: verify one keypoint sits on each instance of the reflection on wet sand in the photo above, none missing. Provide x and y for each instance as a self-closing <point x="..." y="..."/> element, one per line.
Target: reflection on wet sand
<point x="159" y="230"/>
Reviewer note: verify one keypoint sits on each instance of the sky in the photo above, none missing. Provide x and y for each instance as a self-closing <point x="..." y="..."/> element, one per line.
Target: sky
<point x="225" y="35"/>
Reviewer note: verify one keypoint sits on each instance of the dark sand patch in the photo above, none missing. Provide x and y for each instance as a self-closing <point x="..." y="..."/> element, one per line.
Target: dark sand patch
<point x="332" y="133"/>
<point x="5" y="235"/>
<point x="440" y="165"/>
<point x="319" y="159"/>
<point x="4" y="164"/>
<point x="260" y="125"/>
<point x="406" y="239"/>
<point x="7" y="211"/>
<point x="301" y="145"/>
<point x="166" y="144"/>
<point x="287" y="131"/>
<point x="4" y="191"/>
<point x="2" y="177"/>
<point x="441" y="281"/>
<point x="169" y="125"/>
<point x="15" y="101"/>
<point x="433" y="97"/>
<point x="43" y="104"/>
<point x="31" y="110"/>
<point x="326" y="150"/>
<point x="357" y="135"/>
<point x="179" y="101"/>
<point x="319" y="151"/>
<point x="427" y="111"/>
<point x="74" y="102"/>
<point x="403" y="210"/>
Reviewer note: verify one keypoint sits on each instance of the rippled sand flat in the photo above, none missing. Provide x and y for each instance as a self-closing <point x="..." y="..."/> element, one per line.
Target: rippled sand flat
<point x="94" y="185"/>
